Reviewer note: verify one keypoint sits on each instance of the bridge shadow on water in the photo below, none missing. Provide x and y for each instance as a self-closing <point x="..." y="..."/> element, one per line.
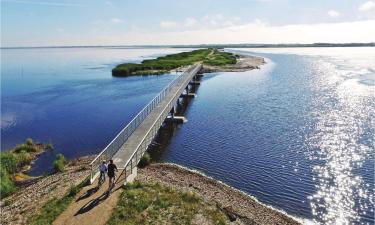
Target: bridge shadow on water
<point x="157" y="147"/>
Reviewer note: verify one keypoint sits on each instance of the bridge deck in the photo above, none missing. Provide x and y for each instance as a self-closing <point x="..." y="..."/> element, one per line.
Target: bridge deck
<point x="126" y="151"/>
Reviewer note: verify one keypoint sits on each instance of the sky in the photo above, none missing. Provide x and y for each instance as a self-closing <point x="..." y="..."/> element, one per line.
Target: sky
<point x="159" y="22"/>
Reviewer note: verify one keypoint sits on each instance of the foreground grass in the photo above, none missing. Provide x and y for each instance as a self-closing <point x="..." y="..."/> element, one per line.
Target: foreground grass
<point x="54" y="207"/>
<point x="156" y="204"/>
<point x="212" y="57"/>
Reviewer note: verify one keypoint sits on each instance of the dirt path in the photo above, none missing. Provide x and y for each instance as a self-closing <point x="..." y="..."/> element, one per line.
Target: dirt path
<point x="92" y="206"/>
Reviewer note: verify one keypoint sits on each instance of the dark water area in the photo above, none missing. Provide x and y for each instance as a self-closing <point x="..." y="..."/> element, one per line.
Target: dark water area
<point x="298" y="134"/>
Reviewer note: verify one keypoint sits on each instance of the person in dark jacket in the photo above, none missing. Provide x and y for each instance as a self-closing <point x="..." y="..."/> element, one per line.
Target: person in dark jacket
<point x="111" y="168"/>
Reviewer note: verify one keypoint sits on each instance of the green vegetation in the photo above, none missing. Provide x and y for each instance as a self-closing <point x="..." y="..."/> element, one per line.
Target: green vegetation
<point x="218" y="58"/>
<point x="15" y="161"/>
<point x="212" y="57"/>
<point x="7" y="186"/>
<point x="54" y="207"/>
<point x="145" y="160"/>
<point x="59" y="163"/>
<point x="156" y="204"/>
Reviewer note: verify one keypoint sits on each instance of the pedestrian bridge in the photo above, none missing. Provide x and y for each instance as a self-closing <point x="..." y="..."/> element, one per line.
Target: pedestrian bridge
<point x="127" y="148"/>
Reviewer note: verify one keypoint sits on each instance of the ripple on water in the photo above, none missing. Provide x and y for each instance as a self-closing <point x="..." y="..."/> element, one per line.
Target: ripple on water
<point x="298" y="137"/>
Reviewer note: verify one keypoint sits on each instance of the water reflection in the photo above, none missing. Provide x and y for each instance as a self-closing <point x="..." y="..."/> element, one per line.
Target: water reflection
<point x="341" y="144"/>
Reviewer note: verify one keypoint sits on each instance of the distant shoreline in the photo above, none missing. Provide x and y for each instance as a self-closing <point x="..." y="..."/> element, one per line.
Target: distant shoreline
<point x="313" y="45"/>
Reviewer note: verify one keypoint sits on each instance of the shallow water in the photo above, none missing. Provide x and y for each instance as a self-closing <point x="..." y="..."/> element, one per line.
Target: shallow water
<point x="298" y="134"/>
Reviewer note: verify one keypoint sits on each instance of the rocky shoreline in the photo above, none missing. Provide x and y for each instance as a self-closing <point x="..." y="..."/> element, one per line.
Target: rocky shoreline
<point x="238" y="206"/>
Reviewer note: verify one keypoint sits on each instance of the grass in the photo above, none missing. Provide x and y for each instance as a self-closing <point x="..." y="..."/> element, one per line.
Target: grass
<point x="54" y="207"/>
<point x="14" y="161"/>
<point x="156" y="204"/>
<point x="163" y="64"/>
<point x="7" y="186"/>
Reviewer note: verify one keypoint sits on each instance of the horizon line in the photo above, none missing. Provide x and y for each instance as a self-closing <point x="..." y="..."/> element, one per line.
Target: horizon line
<point x="317" y="44"/>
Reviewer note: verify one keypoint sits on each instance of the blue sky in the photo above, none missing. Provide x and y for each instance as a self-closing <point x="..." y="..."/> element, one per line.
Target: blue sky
<point x="111" y="22"/>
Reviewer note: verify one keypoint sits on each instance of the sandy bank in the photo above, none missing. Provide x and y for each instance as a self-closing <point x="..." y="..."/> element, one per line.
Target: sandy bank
<point x="240" y="208"/>
<point x="244" y="63"/>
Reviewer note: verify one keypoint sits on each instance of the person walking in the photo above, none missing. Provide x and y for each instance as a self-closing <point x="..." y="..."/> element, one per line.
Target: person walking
<point x="103" y="170"/>
<point x="111" y="174"/>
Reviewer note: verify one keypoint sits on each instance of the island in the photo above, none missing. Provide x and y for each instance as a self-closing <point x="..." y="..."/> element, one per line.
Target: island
<point x="212" y="59"/>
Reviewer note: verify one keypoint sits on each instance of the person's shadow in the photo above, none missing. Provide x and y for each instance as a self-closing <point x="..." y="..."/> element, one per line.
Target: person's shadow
<point x="88" y="193"/>
<point x="92" y="204"/>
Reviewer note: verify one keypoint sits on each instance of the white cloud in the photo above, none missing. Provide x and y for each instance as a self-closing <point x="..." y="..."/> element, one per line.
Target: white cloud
<point x="218" y="20"/>
<point x="258" y="32"/>
<point x="333" y="13"/>
<point x="116" y="20"/>
<point x="368" y="6"/>
<point x="168" y="24"/>
<point x="190" y="22"/>
<point x="254" y="32"/>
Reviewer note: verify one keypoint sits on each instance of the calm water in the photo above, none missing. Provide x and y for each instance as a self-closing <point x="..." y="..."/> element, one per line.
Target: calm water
<point x="297" y="134"/>
<point x="68" y="97"/>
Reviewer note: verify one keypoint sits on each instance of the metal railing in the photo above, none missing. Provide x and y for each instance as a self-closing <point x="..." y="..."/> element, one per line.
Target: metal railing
<point x="110" y="150"/>
<point x="151" y="133"/>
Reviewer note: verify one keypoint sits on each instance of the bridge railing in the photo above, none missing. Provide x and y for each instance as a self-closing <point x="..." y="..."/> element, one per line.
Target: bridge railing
<point x="111" y="149"/>
<point x="151" y="133"/>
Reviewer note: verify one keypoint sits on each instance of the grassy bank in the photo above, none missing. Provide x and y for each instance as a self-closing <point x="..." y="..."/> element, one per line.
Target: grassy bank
<point x="54" y="207"/>
<point x="156" y="204"/>
<point x="16" y="161"/>
<point x="160" y="65"/>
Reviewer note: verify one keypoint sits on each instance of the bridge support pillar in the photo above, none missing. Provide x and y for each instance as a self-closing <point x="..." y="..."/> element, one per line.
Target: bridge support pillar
<point x="172" y="112"/>
<point x="131" y="176"/>
<point x="189" y="95"/>
<point x="195" y="82"/>
<point x="176" y="119"/>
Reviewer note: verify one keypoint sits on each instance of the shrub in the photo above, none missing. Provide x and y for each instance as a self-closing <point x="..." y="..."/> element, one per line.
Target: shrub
<point x="145" y="160"/>
<point x="8" y="161"/>
<point x="23" y="158"/>
<point x="29" y="141"/>
<point x="61" y="157"/>
<point x="59" y="163"/>
<point x="25" y="147"/>
<point x="7" y="186"/>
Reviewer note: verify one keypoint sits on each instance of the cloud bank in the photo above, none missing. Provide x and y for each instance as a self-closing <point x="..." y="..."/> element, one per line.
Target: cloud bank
<point x="258" y="32"/>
